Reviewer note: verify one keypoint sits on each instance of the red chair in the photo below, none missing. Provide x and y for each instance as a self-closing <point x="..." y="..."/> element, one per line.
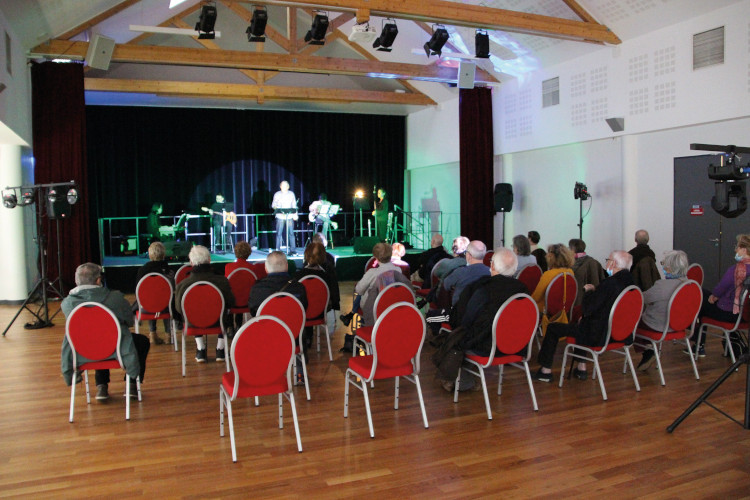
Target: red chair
<point x="392" y="294"/>
<point x="623" y="320"/>
<point x="289" y="310"/>
<point x="241" y="280"/>
<point x="695" y="273"/>
<point x="530" y="276"/>
<point x="93" y="333"/>
<point x="371" y="263"/>
<point x="742" y="323"/>
<point x="488" y="258"/>
<point x="182" y="273"/>
<point x="560" y="294"/>
<point x="153" y="293"/>
<point x="259" y="268"/>
<point x="203" y="309"/>
<point x="262" y="353"/>
<point x="434" y="280"/>
<point x="318" y="297"/>
<point x="683" y="309"/>
<point x="512" y="331"/>
<point x="397" y="341"/>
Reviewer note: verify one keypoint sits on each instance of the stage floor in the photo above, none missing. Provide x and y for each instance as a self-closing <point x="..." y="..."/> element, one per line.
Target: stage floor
<point x="121" y="271"/>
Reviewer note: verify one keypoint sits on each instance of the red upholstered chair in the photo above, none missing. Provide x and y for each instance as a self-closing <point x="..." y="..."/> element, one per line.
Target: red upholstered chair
<point x="289" y="310"/>
<point x="262" y="353"/>
<point x="742" y="323"/>
<point x="530" y="276"/>
<point x="371" y="263"/>
<point x="512" y="330"/>
<point x="560" y="294"/>
<point x="154" y="296"/>
<point x="182" y="273"/>
<point x="241" y="280"/>
<point x="203" y="309"/>
<point x="683" y="309"/>
<point x="259" y="268"/>
<point x="397" y="341"/>
<point x="93" y="333"/>
<point x="695" y="273"/>
<point x="623" y="320"/>
<point x="392" y="294"/>
<point x="318" y="296"/>
<point x="488" y="258"/>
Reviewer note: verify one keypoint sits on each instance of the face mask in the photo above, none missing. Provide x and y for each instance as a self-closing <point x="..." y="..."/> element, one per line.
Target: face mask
<point x="738" y="257"/>
<point x="670" y="276"/>
<point x="609" y="272"/>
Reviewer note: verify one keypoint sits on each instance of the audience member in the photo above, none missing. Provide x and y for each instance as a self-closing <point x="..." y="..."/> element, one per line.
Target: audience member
<point x="586" y="269"/>
<point x="399" y="250"/>
<point x="133" y="348"/>
<point x="157" y="264"/>
<point x="592" y="328"/>
<point x="427" y="259"/>
<point x="522" y="249"/>
<point x="315" y="259"/>
<point x="474" y="269"/>
<point x="459" y="247"/>
<point x="200" y="259"/>
<point x="277" y="280"/>
<point x="537" y="251"/>
<point x="329" y="266"/>
<point x="559" y="260"/>
<point x="242" y="250"/>
<point x="644" y="270"/>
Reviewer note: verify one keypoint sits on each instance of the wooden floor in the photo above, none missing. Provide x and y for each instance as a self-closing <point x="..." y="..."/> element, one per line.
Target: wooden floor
<point x="576" y="445"/>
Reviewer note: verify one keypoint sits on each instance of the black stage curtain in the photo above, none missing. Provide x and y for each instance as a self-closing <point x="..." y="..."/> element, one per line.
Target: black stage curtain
<point x="182" y="157"/>
<point x="59" y="132"/>
<point x="476" y="160"/>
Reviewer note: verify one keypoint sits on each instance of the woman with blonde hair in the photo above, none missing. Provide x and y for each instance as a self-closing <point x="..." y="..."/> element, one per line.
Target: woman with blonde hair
<point x="559" y="261"/>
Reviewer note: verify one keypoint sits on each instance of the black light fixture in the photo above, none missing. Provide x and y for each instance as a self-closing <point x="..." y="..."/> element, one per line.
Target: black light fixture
<point x="317" y="33"/>
<point x="206" y="22"/>
<point x="27" y="197"/>
<point x="581" y="192"/>
<point x="256" y="32"/>
<point x="9" y="199"/>
<point x="52" y="195"/>
<point x="439" y="38"/>
<point x="387" y="36"/>
<point x="72" y="196"/>
<point x="482" y="44"/>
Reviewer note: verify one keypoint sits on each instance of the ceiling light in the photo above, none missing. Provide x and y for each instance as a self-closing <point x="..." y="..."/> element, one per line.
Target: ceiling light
<point x="206" y="22"/>
<point x="387" y="36"/>
<point x="317" y="33"/>
<point x="439" y="38"/>
<point x="482" y="44"/>
<point x="257" y="29"/>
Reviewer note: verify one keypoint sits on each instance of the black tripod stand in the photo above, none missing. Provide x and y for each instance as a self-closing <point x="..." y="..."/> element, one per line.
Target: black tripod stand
<point x="742" y="360"/>
<point x="43" y="285"/>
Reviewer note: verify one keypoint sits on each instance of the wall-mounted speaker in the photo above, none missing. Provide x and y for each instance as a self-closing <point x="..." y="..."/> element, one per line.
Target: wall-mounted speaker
<point x="503" y="197"/>
<point x="100" y="52"/>
<point x="466" y="73"/>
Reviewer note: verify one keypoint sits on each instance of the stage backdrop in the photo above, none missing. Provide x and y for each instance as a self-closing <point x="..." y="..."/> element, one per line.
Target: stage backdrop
<point x="182" y="157"/>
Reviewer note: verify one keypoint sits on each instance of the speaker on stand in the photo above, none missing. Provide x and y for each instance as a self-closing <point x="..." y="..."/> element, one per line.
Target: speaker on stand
<point x="503" y="202"/>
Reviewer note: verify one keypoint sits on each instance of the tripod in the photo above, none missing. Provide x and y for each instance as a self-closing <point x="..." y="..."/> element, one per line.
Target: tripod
<point x="43" y="285"/>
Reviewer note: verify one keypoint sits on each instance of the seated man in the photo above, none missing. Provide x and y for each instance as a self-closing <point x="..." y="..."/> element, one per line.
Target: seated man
<point x="592" y="329"/>
<point x="133" y="348"/>
<point x="458" y="260"/>
<point x="200" y="259"/>
<point x="427" y="259"/>
<point x="277" y="280"/>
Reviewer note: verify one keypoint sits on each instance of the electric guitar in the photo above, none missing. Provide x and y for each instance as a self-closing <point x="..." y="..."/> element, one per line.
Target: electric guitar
<point x="230" y="217"/>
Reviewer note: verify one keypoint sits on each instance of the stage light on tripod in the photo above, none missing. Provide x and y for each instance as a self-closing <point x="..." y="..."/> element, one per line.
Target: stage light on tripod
<point x="580" y="191"/>
<point x="359" y="194"/>
<point x="72" y="196"/>
<point x="27" y="197"/>
<point x="9" y="199"/>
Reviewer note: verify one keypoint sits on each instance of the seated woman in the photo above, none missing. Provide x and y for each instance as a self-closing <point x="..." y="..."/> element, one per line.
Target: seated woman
<point x="522" y="249"/>
<point x="157" y="264"/>
<point x="242" y="251"/>
<point x="723" y="302"/>
<point x="656" y="299"/>
<point x="399" y="251"/>
<point x="559" y="260"/>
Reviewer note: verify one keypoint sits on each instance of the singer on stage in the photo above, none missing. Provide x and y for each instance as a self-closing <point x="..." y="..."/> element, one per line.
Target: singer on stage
<point x="284" y="199"/>
<point x="381" y="214"/>
<point x="220" y="220"/>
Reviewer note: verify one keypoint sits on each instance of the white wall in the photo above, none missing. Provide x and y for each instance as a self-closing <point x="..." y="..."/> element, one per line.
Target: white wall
<point x="15" y="100"/>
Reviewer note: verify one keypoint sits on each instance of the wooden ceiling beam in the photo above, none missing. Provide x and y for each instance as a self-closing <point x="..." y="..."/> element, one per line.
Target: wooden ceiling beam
<point x="97" y="19"/>
<point x="580" y="11"/>
<point x="472" y="16"/>
<point x="255" y="92"/>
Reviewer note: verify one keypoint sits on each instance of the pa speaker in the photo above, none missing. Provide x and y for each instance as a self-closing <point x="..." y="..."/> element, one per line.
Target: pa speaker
<point x="177" y="249"/>
<point x="364" y="244"/>
<point x="100" y="51"/>
<point x="58" y="209"/>
<point x="466" y="72"/>
<point x="503" y="197"/>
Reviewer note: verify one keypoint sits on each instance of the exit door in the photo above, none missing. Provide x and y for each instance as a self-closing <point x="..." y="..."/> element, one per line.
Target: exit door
<point x="705" y="236"/>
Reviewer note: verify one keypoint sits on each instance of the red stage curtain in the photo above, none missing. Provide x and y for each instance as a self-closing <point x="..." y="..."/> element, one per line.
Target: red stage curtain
<point x="476" y="157"/>
<point x="59" y="134"/>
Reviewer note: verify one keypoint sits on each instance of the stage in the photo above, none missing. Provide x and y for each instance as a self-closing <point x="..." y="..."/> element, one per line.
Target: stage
<point x="120" y="272"/>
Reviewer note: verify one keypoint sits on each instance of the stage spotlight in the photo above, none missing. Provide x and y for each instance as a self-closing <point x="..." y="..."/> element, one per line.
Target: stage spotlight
<point x="206" y="22"/>
<point x="359" y="194"/>
<point x="52" y="195"/>
<point x="439" y="38"/>
<point x="9" y="199"/>
<point x="72" y="196"/>
<point x="317" y="33"/>
<point x="387" y="36"/>
<point x="581" y="192"/>
<point x="257" y="29"/>
<point x="482" y="44"/>
<point x="27" y="197"/>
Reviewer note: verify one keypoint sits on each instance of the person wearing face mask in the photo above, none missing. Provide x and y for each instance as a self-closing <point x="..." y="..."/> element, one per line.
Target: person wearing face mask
<point x="591" y="330"/>
<point x="723" y="302"/>
<point x="656" y="299"/>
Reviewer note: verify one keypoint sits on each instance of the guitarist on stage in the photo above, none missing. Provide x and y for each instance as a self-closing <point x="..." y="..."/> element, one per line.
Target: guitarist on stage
<point x="222" y="220"/>
<point x="284" y="199"/>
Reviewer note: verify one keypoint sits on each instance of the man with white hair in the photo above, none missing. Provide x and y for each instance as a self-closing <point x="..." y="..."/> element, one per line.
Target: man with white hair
<point x="472" y="271"/>
<point x="596" y="306"/>
<point x="458" y="261"/>
<point x="133" y="348"/>
<point x="277" y="280"/>
<point x="200" y="259"/>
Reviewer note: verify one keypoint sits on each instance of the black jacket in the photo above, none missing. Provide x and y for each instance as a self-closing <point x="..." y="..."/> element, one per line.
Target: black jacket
<point x="427" y="261"/>
<point x="596" y="307"/>
<point x="639" y="252"/>
<point x="275" y="282"/>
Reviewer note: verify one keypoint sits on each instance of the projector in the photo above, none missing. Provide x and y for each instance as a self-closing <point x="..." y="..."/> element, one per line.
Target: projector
<point x="363" y="33"/>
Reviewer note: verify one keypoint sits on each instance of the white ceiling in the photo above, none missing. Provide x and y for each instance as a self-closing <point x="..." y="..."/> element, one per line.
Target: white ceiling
<point x="36" y="21"/>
